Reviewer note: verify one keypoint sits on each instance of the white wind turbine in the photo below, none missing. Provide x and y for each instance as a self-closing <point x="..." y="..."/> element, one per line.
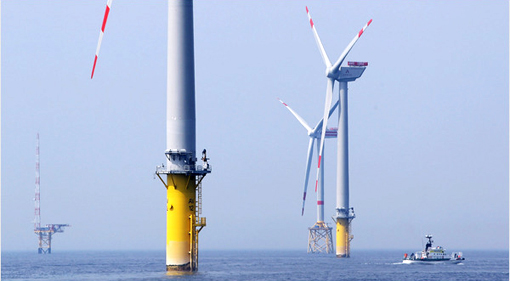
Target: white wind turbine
<point x="314" y="134"/>
<point x="320" y="237"/>
<point x="344" y="214"/>
<point x="333" y="74"/>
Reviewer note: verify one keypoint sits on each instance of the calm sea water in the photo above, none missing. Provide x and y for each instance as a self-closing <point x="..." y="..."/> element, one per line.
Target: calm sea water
<point x="249" y="265"/>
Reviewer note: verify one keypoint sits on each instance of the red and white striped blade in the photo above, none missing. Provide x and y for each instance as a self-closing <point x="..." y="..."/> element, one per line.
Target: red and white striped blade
<point x="337" y="64"/>
<point x="318" y="41"/>
<point x="327" y="106"/>
<point x="101" y="33"/>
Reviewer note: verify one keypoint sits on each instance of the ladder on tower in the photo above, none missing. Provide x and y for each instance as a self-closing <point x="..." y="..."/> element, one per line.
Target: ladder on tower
<point x="198" y="222"/>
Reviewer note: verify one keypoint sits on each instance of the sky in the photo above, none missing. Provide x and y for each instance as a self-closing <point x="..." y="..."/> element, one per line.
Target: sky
<point x="428" y="122"/>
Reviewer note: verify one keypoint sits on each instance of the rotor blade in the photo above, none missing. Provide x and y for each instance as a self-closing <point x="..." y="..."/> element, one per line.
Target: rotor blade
<point x="329" y="97"/>
<point x="307" y="171"/>
<point x="301" y="120"/>
<point x="101" y="33"/>
<point x="337" y="64"/>
<point x="319" y="125"/>
<point x="318" y="41"/>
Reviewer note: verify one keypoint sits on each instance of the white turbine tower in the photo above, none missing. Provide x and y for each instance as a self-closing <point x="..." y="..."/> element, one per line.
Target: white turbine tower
<point x="183" y="175"/>
<point x="334" y="72"/>
<point x="320" y="238"/>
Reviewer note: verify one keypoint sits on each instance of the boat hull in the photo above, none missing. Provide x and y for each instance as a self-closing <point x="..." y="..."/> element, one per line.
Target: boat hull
<point x="431" y="261"/>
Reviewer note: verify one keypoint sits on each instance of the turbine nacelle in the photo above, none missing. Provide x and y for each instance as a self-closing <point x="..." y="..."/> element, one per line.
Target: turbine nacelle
<point x="330" y="133"/>
<point x="349" y="74"/>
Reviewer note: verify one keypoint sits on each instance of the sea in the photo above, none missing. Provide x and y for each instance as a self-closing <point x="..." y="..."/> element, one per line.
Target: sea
<point x="249" y="265"/>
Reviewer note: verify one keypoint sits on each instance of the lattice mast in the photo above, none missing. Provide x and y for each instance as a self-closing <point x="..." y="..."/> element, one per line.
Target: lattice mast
<point x="45" y="233"/>
<point x="37" y="198"/>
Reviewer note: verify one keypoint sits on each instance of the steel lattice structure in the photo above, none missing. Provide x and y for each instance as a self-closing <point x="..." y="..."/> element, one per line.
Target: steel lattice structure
<point x="44" y="233"/>
<point x="320" y="238"/>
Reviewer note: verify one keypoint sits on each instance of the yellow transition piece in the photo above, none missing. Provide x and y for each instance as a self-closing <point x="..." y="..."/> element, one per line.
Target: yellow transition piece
<point x="179" y="222"/>
<point x="342" y="238"/>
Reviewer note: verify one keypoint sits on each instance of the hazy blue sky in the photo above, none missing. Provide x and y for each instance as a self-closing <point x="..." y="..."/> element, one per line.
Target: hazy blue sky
<point x="428" y="121"/>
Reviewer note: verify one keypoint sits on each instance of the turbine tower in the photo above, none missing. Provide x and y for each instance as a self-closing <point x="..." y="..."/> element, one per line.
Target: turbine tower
<point x="320" y="238"/>
<point x="183" y="176"/>
<point x="334" y="72"/>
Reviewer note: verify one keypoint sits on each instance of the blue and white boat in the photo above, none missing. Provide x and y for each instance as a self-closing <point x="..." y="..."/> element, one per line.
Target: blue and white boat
<point x="432" y="255"/>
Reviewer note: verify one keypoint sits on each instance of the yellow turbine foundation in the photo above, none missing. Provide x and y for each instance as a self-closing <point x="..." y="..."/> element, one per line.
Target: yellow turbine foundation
<point x="181" y="241"/>
<point x="342" y="238"/>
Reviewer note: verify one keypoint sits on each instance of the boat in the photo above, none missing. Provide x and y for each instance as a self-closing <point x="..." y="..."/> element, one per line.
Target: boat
<point x="431" y="255"/>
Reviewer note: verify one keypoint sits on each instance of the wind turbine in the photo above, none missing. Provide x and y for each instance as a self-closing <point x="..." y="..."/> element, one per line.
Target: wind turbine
<point x="320" y="238"/>
<point x="183" y="175"/>
<point x="334" y="72"/>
